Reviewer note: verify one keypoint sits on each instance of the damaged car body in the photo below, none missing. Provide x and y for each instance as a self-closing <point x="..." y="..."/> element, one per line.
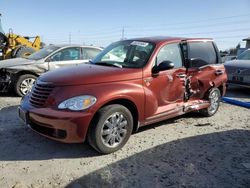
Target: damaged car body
<point x="20" y="74"/>
<point x="130" y="84"/>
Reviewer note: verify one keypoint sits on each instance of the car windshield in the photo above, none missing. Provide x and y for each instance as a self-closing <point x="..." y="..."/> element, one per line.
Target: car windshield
<point x="43" y="53"/>
<point x="127" y="54"/>
<point x="244" y="56"/>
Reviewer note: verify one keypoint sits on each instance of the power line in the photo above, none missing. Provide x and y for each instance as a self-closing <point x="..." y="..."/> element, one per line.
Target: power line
<point x="117" y="29"/>
<point x="222" y="24"/>
<point x="235" y="36"/>
<point x="205" y="33"/>
<point x="198" y="21"/>
<point x="155" y="27"/>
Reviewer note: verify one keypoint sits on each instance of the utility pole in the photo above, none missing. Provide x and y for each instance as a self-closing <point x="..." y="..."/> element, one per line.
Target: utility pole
<point x="122" y="34"/>
<point x="69" y="37"/>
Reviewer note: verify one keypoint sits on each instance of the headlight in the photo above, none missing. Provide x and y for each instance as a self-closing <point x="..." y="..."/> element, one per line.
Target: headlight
<point x="78" y="103"/>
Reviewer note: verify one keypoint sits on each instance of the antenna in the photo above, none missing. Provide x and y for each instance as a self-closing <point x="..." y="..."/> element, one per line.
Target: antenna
<point x="70" y="38"/>
<point x="122" y="34"/>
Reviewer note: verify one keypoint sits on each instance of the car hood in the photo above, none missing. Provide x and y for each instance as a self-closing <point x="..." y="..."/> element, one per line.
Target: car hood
<point x="89" y="74"/>
<point x="15" y="62"/>
<point x="238" y="63"/>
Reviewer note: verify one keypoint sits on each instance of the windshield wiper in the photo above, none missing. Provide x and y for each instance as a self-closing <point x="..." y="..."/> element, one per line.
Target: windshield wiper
<point x="108" y="64"/>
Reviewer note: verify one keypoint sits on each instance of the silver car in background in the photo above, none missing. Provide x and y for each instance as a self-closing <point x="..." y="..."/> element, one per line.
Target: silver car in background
<point x="19" y="74"/>
<point x="238" y="70"/>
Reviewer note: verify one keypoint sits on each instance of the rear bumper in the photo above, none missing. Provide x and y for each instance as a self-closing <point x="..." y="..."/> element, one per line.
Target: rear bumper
<point x="63" y="126"/>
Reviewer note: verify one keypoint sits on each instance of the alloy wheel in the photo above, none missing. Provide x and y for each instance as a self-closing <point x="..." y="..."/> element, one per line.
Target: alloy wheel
<point x="114" y="130"/>
<point x="214" y="99"/>
<point x="26" y="85"/>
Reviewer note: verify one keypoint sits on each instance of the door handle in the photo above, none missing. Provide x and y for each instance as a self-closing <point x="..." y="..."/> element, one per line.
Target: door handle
<point x="181" y="75"/>
<point x="219" y="72"/>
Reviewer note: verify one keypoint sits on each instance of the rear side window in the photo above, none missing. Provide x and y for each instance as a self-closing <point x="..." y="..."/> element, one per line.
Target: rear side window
<point x="203" y="50"/>
<point x="170" y="52"/>
<point x="90" y="53"/>
<point x="66" y="54"/>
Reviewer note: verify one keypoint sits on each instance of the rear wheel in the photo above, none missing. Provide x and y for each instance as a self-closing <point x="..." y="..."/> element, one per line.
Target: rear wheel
<point x="110" y="129"/>
<point x="24" y="84"/>
<point x="24" y="52"/>
<point x="214" y="98"/>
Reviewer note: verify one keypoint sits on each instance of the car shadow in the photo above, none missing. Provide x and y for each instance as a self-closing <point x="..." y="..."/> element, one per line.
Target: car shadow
<point x="18" y="142"/>
<point x="195" y="115"/>
<point x="210" y="160"/>
<point x="8" y="94"/>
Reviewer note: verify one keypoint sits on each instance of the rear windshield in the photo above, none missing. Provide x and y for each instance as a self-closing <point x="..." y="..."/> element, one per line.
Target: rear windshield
<point x="43" y="53"/>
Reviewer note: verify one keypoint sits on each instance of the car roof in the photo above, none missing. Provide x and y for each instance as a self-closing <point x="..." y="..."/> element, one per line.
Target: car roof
<point x="159" y="39"/>
<point x="73" y="45"/>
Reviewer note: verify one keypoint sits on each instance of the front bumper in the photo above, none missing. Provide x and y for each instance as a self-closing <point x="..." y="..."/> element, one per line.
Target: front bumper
<point x="63" y="126"/>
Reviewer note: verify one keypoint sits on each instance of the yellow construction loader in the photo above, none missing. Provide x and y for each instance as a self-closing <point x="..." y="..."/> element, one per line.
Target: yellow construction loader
<point x="13" y="45"/>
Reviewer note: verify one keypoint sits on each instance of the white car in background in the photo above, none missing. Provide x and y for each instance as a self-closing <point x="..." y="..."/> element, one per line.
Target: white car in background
<point x="20" y="73"/>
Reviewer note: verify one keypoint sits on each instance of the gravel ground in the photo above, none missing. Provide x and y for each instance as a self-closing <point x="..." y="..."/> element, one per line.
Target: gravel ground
<point x="188" y="151"/>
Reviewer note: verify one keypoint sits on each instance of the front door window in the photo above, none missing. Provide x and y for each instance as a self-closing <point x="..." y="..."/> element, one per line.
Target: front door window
<point x="67" y="54"/>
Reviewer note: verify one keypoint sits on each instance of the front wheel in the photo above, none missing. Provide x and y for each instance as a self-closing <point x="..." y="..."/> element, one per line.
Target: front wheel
<point x="24" y="84"/>
<point x="111" y="128"/>
<point x="214" y="98"/>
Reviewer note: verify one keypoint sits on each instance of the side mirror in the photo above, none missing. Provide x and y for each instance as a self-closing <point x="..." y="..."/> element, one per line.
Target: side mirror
<point x="53" y="58"/>
<point x="48" y="59"/>
<point x="233" y="58"/>
<point x="196" y="63"/>
<point x="165" y="65"/>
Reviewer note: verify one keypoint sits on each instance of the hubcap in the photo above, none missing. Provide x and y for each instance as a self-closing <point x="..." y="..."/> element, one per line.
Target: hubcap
<point x="214" y="102"/>
<point x="27" y="85"/>
<point x="114" y="130"/>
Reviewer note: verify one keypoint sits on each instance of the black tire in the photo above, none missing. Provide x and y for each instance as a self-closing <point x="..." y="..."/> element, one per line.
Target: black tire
<point x="214" y="98"/>
<point x="24" y="52"/>
<point x="19" y="84"/>
<point x="96" y="137"/>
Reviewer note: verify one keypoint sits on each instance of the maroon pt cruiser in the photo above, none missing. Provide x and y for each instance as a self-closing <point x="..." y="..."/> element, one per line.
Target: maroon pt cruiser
<point x="130" y="84"/>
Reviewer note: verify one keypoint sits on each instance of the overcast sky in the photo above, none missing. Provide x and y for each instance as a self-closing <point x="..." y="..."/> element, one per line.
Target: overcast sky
<point x="100" y="22"/>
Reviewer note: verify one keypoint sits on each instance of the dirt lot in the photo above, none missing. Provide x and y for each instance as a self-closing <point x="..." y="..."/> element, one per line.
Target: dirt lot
<point x="189" y="151"/>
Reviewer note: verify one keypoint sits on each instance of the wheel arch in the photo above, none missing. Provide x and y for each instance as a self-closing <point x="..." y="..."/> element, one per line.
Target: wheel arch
<point x="129" y="104"/>
<point x="221" y="87"/>
<point x="23" y="72"/>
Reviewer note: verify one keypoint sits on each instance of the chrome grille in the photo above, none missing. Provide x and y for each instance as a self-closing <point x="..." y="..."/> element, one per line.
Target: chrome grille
<point x="40" y="93"/>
